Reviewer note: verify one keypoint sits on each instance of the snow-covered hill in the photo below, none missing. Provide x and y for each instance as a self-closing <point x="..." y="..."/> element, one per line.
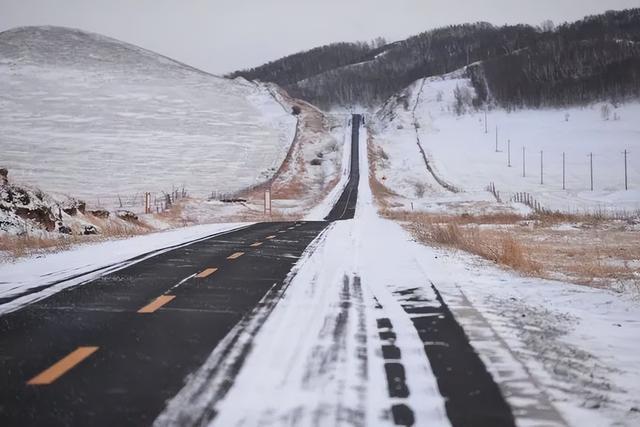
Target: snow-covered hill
<point x="96" y="118"/>
<point x="464" y="156"/>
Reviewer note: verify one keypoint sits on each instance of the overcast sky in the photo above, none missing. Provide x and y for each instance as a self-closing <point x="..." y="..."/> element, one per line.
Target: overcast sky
<point x="223" y="35"/>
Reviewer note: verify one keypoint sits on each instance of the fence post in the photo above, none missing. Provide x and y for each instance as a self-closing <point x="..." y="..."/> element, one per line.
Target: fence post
<point x="563" y="171"/>
<point x="591" y="168"/>
<point x="626" y="181"/>
<point x="267" y="201"/>
<point x="508" y="153"/>
<point x="524" y="158"/>
<point x="541" y="167"/>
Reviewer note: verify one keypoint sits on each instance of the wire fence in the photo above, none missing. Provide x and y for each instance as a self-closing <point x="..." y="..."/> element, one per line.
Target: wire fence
<point x="158" y="202"/>
<point x="139" y="203"/>
<point x="589" y="170"/>
<point x="559" y="170"/>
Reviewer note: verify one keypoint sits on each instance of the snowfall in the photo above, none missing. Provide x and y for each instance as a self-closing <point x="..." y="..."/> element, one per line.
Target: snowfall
<point x="562" y="354"/>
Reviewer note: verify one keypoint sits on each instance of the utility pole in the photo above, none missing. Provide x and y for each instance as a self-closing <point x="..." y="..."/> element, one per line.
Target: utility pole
<point x="509" y="153"/>
<point x="626" y="180"/>
<point x="563" y="171"/>
<point x="524" y="174"/>
<point x="591" y="168"/>
<point x="496" y="139"/>
<point x="541" y="167"/>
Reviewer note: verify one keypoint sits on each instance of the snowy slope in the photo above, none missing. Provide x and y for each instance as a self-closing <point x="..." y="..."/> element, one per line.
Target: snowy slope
<point x="94" y="117"/>
<point x="464" y="155"/>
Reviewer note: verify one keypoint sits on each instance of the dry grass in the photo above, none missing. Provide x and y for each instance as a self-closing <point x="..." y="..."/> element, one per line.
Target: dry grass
<point x="502" y="218"/>
<point x="381" y="193"/>
<point x="591" y="251"/>
<point x="499" y="247"/>
<point x="176" y="215"/>
<point x="293" y="180"/>
<point x="20" y="246"/>
<point x="118" y="228"/>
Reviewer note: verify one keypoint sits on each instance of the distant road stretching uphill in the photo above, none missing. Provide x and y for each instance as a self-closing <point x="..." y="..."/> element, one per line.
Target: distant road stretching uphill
<point x="345" y="207"/>
<point x="113" y="351"/>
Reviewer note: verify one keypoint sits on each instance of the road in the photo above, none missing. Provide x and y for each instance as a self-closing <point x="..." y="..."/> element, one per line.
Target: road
<point x="345" y="207"/>
<point x="115" y="350"/>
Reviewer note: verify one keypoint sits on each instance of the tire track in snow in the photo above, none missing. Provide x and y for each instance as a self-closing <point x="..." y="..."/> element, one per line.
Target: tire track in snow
<point x="401" y="412"/>
<point x="472" y="396"/>
<point x="341" y="347"/>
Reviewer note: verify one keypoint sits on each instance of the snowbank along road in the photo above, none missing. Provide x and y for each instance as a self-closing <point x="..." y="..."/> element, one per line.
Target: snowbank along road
<point x="118" y="350"/>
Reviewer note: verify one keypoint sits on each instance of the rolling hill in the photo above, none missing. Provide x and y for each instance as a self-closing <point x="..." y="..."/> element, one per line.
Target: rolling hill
<point x="100" y="119"/>
<point x="594" y="59"/>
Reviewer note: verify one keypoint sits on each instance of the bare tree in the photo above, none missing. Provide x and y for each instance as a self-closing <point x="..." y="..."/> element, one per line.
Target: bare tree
<point x="463" y="99"/>
<point x="547" y="26"/>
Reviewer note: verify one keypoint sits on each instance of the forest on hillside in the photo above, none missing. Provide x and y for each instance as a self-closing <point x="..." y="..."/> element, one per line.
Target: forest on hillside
<point x="597" y="58"/>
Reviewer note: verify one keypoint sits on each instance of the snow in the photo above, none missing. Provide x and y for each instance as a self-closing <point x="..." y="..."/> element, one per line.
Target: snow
<point x="465" y="156"/>
<point x="86" y="262"/>
<point x="95" y="118"/>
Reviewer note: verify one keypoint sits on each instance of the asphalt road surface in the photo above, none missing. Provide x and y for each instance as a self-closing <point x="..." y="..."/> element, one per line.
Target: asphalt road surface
<point x="345" y="207"/>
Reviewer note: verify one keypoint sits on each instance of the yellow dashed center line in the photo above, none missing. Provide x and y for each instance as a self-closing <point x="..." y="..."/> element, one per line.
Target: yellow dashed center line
<point x="270" y="237"/>
<point x="207" y="272"/>
<point x="235" y="255"/>
<point x="61" y="367"/>
<point x="156" y="304"/>
<point x="256" y="244"/>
